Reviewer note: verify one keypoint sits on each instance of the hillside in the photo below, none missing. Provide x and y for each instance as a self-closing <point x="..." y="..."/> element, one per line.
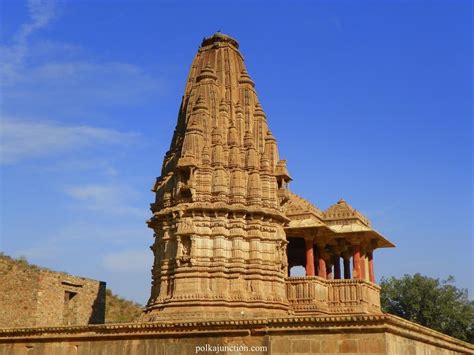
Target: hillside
<point x="120" y="310"/>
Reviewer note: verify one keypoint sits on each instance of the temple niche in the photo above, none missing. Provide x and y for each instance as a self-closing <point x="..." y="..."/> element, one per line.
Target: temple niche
<point x="227" y="228"/>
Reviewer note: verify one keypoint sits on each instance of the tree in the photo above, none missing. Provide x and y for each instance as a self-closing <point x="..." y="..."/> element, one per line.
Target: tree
<point x="430" y="302"/>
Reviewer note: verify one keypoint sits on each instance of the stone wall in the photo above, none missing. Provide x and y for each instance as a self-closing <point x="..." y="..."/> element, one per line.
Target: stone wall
<point x="18" y="297"/>
<point x="396" y="344"/>
<point x="33" y="296"/>
<point x="367" y="334"/>
<point x="339" y="343"/>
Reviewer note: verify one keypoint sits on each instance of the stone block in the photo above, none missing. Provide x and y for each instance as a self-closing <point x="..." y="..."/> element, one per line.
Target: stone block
<point x="315" y="346"/>
<point x="301" y="346"/>
<point x="329" y="346"/>
<point x="348" y="346"/>
<point x="282" y="346"/>
<point x="371" y="345"/>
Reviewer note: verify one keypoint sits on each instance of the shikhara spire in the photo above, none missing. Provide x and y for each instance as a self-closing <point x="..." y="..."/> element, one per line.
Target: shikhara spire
<point x="227" y="228"/>
<point x="218" y="219"/>
<point x="222" y="148"/>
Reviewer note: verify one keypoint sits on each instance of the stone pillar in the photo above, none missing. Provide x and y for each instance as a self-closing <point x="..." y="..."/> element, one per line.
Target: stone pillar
<point x="370" y="255"/>
<point x="309" y="258"/>
<point x="347" y="267"/>
<point x="363" y="266"/>
<point x="337" y="266"/>
<point x="321" y="262"/>
<point x="316" y="262"/>
<point x="356" y="274"/>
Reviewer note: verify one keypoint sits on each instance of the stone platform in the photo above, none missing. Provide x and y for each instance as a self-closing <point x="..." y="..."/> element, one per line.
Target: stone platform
<point x="356" y="334"/>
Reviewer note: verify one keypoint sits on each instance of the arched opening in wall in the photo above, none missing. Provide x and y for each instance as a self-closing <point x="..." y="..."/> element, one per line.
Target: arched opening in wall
<point x="297" y="271"/>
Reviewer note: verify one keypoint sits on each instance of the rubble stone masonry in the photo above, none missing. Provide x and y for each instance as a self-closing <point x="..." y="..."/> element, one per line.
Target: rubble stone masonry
<point x="32" y="296"/>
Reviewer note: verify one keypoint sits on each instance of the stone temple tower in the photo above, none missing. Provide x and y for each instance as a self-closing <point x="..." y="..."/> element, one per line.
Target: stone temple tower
<point x="220" y="244"/>
<point x="228" y="237"/>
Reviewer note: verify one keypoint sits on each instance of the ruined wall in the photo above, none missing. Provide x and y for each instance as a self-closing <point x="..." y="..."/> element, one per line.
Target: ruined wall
<point x="69" y="300"/>
<point x="31" y="296"/>
<point x="18" y="293"/>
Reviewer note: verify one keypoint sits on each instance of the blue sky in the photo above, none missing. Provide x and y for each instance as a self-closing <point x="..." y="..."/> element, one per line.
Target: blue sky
<point x="369" y="100"/>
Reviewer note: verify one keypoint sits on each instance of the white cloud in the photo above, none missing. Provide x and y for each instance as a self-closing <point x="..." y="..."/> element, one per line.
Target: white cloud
<point x="41" y="13"/>
<point x="91" y="192"/>
<point x="20" y="139"/>
<point x="58" y="78"/>
<point x="100" y="166"/>
<point x="75" y="86"/>
<point x="41" y="252"/>
<point x="136" y="261"/>
<point x="76" y="236"/>
<point x="106" y="198"/>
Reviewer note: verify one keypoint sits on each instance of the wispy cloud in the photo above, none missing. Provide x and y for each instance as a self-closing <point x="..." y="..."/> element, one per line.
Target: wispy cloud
<point x="133" y="261"/>
<point x="40" y="252"/>
<point x="61" y="78"/>
<point x="72" y="237"/>
<point x="109" y="198"/>
<point x="41" y="13"/>
<point x="59" y="101"/>
<point x="97" y="166"/>
<point x="78" y="86"/>
<point x="21" y="139"/>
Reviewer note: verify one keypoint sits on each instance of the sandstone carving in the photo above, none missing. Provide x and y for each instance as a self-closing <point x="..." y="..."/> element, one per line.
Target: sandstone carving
<point x="227" y="231"/>
<point x="224" y="216"/>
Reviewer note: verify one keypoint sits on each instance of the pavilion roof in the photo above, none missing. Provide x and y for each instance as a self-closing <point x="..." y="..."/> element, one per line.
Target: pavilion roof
<point x="297" y="206"/>
<point x="340" y="221"/>
<point x="341" y="213"/>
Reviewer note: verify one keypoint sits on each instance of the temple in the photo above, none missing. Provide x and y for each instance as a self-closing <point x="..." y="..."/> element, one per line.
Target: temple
<point x="227" y="228"/>
<point x="227" y="233"/>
